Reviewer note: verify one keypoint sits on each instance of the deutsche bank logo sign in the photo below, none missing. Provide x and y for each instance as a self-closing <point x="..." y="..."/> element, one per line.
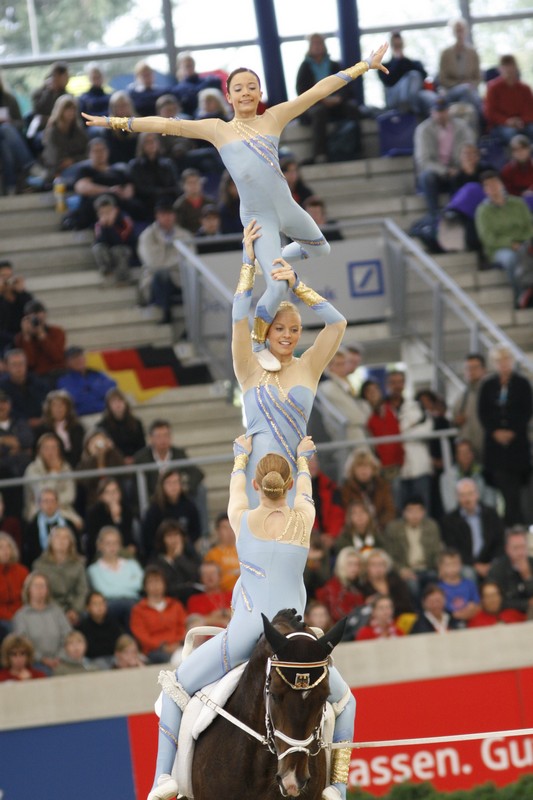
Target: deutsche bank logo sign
<point x="366" y="278"/>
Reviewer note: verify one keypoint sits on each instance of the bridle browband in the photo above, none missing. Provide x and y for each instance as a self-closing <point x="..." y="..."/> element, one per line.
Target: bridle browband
<point x="301" y="682"/>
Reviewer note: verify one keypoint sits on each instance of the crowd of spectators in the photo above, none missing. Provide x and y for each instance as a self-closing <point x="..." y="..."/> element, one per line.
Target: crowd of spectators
<point x="88" y="579"/>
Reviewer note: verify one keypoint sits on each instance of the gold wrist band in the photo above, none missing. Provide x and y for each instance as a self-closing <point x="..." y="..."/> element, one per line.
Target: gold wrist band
<point x="302" y="465"/>
<point x="246" y="278"/>
<point x="260" y="330"/>
<point x="357" y="69"/>
<point x="240" y="463"/>
<point x="121" y="124"/>
<point x="307" y="295"/>
<point x="340" y="765"/>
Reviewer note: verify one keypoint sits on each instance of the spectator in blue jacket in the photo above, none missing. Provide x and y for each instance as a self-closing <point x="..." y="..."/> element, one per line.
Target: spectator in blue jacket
<point x="87" y="387"/>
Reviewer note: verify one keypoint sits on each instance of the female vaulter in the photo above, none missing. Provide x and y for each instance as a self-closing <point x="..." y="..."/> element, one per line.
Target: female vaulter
<point x="248" y="146"/>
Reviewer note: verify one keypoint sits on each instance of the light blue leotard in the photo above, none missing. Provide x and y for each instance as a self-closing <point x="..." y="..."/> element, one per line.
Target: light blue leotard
<point x="265" y="196"/>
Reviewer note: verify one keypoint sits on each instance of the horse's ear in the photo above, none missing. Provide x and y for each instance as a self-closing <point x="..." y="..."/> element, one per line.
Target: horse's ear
<point x="332" y="638"/>
<point x="275" y="639"/>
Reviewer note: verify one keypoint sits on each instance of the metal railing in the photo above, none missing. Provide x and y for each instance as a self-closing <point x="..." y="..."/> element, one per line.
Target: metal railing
<point x="139" y="471"/>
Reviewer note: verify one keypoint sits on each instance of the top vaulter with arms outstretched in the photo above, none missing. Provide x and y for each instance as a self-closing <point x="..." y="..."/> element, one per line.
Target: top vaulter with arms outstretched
<point x="248" y="146"/>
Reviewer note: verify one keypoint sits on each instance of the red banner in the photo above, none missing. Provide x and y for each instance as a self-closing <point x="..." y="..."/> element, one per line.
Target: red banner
<point x="440" y="707"/>
<point x="463" y="704"/>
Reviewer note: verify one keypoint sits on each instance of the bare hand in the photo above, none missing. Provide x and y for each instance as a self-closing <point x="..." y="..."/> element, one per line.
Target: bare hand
<point x="305" y="446"/>
<point x="95" y="122"/>
<point x="245" y="442"/>
<point x="375" y="58"/>
<point x="284" y="273"/>
<point x="249" y="235"/>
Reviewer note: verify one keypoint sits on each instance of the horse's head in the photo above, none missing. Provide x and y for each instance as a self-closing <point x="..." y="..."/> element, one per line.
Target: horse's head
<point x="296" y="690"/>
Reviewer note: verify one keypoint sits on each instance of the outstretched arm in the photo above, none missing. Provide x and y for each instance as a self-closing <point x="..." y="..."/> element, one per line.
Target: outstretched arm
<point x="284" y="112"/>
<point x="328" y="340"/>
<point x="188" y="128"/>
<point x="241" y="343"/>
<point x="238" y="499"/>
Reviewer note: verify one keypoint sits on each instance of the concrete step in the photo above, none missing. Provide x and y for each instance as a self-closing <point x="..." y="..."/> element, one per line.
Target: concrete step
<point x="115" y="337"/>
<point x="41" y="220"/>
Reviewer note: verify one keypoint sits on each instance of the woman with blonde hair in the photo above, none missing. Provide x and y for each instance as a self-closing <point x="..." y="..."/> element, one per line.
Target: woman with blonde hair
<point x="273" y="542"/>
<point x="59" y="417"/>
<point x="65" y="570"/>
<point x="342" y="593"/>
<point x="379" y="577"/>
<point x="50" y="461"/>
<point x="65" y="139"/>
<point x="363" y="482"/>
<point x="42" y="621"/>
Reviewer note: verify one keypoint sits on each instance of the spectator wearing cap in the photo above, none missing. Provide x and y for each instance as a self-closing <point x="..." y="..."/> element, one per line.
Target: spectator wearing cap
<point x="509" y="103"/>
<point x="44" y="98"/>
<point x="189" y="206"/>
<point x="27" y="391"/>
<point x="160" y="282"/>
<point x="13" y="298"/>
<point x="43" y="344"/>
<point x="114" y="240"/>
<point x="438" y="144"/>
<point x="209" y="235"/>
<point x="505" y="228"/>
<point x="87" y="387"/>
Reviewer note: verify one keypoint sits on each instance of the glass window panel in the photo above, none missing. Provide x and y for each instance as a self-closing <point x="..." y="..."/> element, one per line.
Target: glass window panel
<point x="293" y="53"/>
<point x="493" y="39"/>
<point x="205" y="22"/>
<point x="485" y="7"/>
<point x="422" y="45"/>
<point x="398" y="14"/>
<point x="228" y="58"/>
<point x="302" y="17"/>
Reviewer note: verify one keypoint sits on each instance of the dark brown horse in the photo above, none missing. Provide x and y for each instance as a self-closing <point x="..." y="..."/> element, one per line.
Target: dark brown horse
<point x="281" y="696"/>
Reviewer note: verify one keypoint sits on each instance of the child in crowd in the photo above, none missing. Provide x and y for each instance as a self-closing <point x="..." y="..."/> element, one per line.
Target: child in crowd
<point x="17" y="655"/>
<point x="73" y="659"/>
<point x="100" y="630"/>
<point x="127" y="654"/>
<point x="381" y="624"/>
<point x="224" y="553"/>
<point x="114" y="240"/>
<point x="462" y="596"/>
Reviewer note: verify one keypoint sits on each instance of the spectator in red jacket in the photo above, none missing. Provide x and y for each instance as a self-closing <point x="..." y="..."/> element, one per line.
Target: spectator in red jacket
<point x="491" y="612"/>
<point x="381" y="624"/>
<point x="517" y="174"/>
<point x="43" y="344"/>
<point x="12" y="576"/>
<point x="509" y="103"/>
<point x="383" y="422"/>
<point x="157" y="621"/>
<point x="329" y="519"/>
<point x="213" y="604"/>
<point x="341" y="594"/>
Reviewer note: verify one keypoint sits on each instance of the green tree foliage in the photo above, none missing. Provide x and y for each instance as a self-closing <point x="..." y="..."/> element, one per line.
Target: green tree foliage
<point x="61" y="24"/>
<point x="520" y="790"/>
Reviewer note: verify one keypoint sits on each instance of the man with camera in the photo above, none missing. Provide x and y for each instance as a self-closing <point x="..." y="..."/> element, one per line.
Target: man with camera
<point x="43" y="344"/>
<point x="13" y="298"/>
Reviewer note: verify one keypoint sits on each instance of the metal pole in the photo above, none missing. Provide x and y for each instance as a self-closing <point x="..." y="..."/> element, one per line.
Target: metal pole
<point x="170" y="39"/>
<point x="34" y="28"/>
<point x="437" y="336"/>
<point x="350" y="41"/>
<point x="269" y="43"/>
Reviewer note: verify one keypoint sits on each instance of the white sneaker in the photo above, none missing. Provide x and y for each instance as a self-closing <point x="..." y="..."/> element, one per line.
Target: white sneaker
<point x="166" y="788"/>
<point x="267" y="360"/>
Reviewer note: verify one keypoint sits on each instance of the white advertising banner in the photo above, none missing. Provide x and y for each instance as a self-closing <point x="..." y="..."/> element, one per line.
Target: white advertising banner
<point x="353" y="277"/>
